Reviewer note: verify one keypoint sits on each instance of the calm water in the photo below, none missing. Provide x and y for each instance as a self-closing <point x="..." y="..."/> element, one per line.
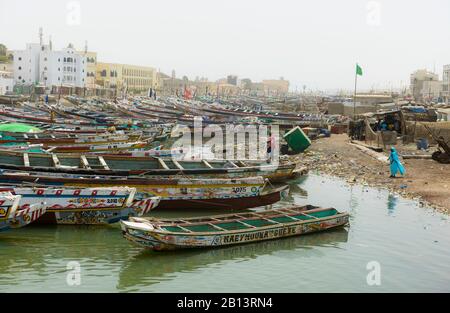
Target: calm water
<point x="411" y="244"/>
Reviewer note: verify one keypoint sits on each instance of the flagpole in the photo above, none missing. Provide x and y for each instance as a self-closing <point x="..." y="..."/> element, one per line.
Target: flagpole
<point x="354" y="95"/>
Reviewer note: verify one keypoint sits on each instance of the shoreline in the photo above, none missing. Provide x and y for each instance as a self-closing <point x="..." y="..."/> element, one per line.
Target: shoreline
<point x="425" y="181"/>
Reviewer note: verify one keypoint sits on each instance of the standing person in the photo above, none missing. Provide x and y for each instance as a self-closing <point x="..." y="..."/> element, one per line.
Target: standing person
<point x="270" y="145"/>
<point x="396" y="165"/>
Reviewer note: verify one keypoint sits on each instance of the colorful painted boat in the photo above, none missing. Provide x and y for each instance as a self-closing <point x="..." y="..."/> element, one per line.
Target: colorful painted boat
<point x="126" y="165"/>
<point x="12" y="216"/>
<point x="87" y="206"/>
<point x="175" y="192"/>
<point x="230" y="229"/>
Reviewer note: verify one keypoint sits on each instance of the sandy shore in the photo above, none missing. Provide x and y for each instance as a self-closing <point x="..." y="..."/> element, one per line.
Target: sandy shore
<point x="426" y="180"/>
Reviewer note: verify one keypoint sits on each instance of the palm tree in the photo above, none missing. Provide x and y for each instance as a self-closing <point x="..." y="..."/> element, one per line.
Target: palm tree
<point x="3" y="57"/>
<point x="2" y="50"/>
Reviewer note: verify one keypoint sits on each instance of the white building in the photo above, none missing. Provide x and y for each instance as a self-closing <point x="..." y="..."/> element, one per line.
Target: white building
<point x="446" y="83"/>
<point x="26" y="65"/>
<point x="39" y="64"/>
<point x="425" y="85"/>
<point x="431" y="90"/>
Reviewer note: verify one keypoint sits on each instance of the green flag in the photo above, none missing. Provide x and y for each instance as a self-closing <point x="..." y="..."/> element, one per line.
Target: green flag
<point x="358" y="70"/>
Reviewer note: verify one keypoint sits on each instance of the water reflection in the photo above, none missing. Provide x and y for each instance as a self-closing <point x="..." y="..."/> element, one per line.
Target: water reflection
<point x="44" y="249"/>
<point x="295" y="191"/>
<point x="392" y="202"/>
<point x="35" y="258"/>
<point x="147" y="267"/>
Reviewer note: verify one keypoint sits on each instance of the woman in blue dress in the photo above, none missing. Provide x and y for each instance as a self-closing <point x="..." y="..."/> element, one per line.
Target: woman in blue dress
<point x="396" y="165"/>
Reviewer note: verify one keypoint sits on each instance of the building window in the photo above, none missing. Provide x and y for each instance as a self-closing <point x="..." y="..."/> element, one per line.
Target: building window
<point x="20" y="59"/>
<point x="45" y="68"/>
<point x="20" y="77"/>
<point x="20" y="68"/>
<point x="45" y="59"/>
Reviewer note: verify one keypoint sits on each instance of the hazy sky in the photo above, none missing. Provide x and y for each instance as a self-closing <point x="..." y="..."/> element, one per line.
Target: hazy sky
<point x="313" y="43"/>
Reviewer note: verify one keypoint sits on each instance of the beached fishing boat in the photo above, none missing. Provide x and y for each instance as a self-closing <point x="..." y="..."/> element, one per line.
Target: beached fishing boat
<point x="12" y="216"/>
<point x="230" y="229"/>
<point x="93" y="148"/>
<point x="84" y="206"/>
<point x="56" y="139"/>
<point x="127" y="164"/>
<point x="176" y="192"/>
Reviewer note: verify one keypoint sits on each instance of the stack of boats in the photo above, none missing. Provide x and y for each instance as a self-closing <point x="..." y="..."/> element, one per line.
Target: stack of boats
<point x="97" y="164"/>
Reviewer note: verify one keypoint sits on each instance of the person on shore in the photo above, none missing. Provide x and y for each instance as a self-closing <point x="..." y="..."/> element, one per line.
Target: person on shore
<point x="396" y="165"/>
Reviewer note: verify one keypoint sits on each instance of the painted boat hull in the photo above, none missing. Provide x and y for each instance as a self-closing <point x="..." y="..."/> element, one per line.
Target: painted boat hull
<point x="160" y="241"/>
<point x="243" y="203"/>
<point x="12" y="217"/>
<point x="89" y="206"/>
<point x="183" y="193"/>
<point x="102" y="216"/>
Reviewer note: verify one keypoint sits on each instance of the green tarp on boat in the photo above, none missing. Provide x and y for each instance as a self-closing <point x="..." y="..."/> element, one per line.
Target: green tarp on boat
<point x="19" y="128"/>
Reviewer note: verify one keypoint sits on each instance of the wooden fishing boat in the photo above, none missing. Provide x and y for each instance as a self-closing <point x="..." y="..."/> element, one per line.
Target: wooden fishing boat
<point x="57" y="139"/>
<point x="113" y="146"/>
<point x="126" y="165"/>
<point x="11" y="216"/>
<point x="84" y="206"/>
<point x="230" y="229"/>
<point x="176" y="192"/>
<point x="35" y="116"/>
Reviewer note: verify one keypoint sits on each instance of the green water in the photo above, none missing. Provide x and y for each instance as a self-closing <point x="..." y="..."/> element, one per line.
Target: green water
<point x="410" y="243"/>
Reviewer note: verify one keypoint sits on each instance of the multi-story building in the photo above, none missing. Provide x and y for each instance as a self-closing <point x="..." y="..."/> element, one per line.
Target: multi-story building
<point x="139" y="78"/>
<point x="278" y="86"/>
<point x="232" y="80"/>
<point x="431" y="90"/>
<point x="446" y="84"/>
<point x="133" y="78"/>
<point x="91" y="68"/>
<point x="26" y="64"/>
<point x="38" y="64"/>
<point x="424" y="84"/>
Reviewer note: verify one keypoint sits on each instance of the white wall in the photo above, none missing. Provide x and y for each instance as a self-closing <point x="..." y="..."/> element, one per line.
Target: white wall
<point x="26" y="65"/>
<point x="40" y="64"/>
<point x="6" y="85"/>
